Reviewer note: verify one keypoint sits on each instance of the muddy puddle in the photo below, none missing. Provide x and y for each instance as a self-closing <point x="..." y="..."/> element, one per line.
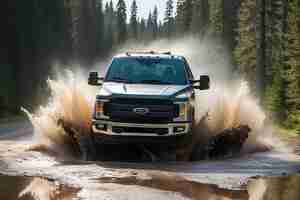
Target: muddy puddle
<point x="33" y="188"/>
<point x="275" y="188"/>
<point x="265" y="188"/>
<point x="188" y="189"/>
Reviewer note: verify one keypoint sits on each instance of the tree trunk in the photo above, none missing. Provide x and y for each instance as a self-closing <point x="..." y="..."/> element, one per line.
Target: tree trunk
<point x="260" y="48"/>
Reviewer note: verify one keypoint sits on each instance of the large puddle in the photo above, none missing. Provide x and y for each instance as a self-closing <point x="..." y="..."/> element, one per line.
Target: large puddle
<point x="269" y="188"/>
<point x="33" y="188"/>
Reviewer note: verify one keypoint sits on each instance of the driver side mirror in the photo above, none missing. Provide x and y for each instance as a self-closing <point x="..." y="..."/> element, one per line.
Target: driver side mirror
<point x="204" y="83"/>
<point x="94" y="79"/>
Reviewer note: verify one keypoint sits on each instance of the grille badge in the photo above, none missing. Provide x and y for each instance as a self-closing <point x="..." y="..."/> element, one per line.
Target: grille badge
<point x="141" y="111"/>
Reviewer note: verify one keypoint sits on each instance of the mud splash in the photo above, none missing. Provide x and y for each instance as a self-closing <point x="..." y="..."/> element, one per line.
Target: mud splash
<point x="228" y="103"/>
<point x="72" y="100"/>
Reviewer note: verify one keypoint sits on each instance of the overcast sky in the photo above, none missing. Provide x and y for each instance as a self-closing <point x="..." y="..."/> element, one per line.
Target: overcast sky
<point x="144" y="6"/>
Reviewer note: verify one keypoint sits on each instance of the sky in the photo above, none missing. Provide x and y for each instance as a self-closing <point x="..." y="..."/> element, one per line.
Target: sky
<point x="144" y="6"/>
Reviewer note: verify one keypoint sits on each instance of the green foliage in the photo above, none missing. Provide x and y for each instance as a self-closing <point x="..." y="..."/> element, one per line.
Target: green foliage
<point x="216" y="16"/>
<point x="133" y="20"/>
<point x="293" y="64"/>
<point x="155" y="22"/>
<point x="184" y="14"/>
<point x="109" y="22"/>
<point x="121" y="21"/>
<point x="274" y="100"/>
<point x="245" y="51"/>
<point x="99" y="27"/>
<point x="169" y="19"/>
<point x="179" y="18"/>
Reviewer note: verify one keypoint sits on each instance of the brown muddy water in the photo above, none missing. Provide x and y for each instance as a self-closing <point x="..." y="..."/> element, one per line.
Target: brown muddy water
<point x="33" y="188"/>
<point x="260" y="188"/>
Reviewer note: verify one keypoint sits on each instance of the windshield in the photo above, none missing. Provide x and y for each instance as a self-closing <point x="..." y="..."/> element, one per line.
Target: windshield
<point x="147" y="70"/>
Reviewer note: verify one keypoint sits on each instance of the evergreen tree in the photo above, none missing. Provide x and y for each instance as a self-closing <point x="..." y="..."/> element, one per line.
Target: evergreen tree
<point x="108" y="23"/>
<point x="275" y="26"/>
<point x="100" y="27"/>
<point x="179" y="19"/>
<point x="133" y="20"/>
<point x="260" y="48"/>
<point x="196" y="23"/>
<point x="142" y="29"/>
<point x="121" y="21"/>
<point x="150" y="27"/>
<point x="169" y="19"/>
<point x="187" y="15"/>
<point x="274" y="98"/>
<point x="216" y="16"/>
<point x="245" y="51"/>
<point x="293" y="64"/>
<point x="155" y="22"/>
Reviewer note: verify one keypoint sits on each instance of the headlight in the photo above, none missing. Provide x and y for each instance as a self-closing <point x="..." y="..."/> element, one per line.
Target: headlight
<point x="183" y="111"/>
<point x="99" y="109"/>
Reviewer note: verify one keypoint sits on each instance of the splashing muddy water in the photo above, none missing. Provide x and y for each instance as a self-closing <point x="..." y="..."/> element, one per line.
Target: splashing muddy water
<point x="227" y="104"/>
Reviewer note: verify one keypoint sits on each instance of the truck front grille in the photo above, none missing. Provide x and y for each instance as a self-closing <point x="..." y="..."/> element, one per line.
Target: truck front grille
<point x="122" y="110"/>
<point x="158" y="131"/>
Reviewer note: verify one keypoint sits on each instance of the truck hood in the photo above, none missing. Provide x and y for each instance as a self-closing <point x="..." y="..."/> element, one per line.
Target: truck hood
<point x="149" y="90"/>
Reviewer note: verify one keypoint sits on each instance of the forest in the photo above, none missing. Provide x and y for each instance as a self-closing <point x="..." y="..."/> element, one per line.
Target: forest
<point x="262" y="36"/>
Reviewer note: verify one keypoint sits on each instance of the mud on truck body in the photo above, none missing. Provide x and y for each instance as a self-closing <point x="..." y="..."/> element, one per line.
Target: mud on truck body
<point x="145" y="97"/>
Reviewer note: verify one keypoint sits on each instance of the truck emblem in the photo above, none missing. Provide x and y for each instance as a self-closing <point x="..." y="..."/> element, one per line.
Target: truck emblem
<point x="141" y="111"/>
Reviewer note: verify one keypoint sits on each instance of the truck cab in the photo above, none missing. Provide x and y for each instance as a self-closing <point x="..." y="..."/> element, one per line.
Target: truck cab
<point x="146" y="96"/>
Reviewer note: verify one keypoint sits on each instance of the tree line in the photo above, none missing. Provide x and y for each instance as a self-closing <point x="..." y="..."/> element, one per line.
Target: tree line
<point x="263" y="37"/>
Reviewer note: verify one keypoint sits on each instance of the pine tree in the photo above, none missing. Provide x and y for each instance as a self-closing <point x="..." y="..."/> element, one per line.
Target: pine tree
<point x="100" y="27"/>
<point x="142" y="29"/>
<point x="121" y="21"/>
<point x="133" y="20"/>
<point x="184" y="16"/>
<point x="196" y="24"/>
<point x="216" y="16"/>
<point x="260" y="48"/>
<point x="275" y="25"/>
<point x="245" y="51"/>
<point x="179" y="19"/>
<point x="169" y="19"/>
<point x="108" y="24"/>
<point x="274" y="101"/>
<point x="187" y="15"/>
<point x="150" y="26"/>
<point x="155" y="22"/>
<point x="293" y="64"/>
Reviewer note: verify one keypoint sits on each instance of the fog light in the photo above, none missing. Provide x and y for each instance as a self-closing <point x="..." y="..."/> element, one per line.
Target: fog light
<point x="102" y="127"/>
<point x="179" y="129"/>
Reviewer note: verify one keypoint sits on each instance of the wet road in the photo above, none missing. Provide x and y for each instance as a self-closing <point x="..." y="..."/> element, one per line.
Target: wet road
<point x="224" y="179"/>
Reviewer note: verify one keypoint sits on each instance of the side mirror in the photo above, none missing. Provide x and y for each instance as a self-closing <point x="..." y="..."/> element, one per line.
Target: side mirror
<point x="94" y="79"/>
<point x="204" y="83"/>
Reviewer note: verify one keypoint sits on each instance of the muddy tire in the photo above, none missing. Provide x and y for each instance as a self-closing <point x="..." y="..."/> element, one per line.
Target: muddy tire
<point x="87" y="148"/>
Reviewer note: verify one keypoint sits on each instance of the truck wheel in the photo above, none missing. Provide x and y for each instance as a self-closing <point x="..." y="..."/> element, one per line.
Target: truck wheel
<point x="87" y="148"/>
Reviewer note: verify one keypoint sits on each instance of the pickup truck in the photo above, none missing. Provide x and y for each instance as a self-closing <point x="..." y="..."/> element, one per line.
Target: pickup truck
<point x="145" y="97"/>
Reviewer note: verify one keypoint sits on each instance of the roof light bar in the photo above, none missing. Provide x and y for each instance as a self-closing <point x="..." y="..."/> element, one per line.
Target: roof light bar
<point x="147" y="52"/>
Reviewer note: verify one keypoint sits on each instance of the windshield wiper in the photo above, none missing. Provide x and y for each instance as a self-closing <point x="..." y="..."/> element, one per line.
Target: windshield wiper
<point x="155" y="82"/>
<point x="119" y="79"/>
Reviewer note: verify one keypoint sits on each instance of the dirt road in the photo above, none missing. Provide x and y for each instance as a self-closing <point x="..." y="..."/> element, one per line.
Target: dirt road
<point x="224" y="179"/>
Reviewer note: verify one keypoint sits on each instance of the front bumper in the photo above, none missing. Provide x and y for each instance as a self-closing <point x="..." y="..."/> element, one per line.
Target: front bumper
<point x="172" y="129"/>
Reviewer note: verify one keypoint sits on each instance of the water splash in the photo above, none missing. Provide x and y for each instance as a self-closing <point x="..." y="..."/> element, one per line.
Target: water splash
<point x="228" y="103"/>
<point x="71" y="100"/>
<point x="230" y="106"/>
